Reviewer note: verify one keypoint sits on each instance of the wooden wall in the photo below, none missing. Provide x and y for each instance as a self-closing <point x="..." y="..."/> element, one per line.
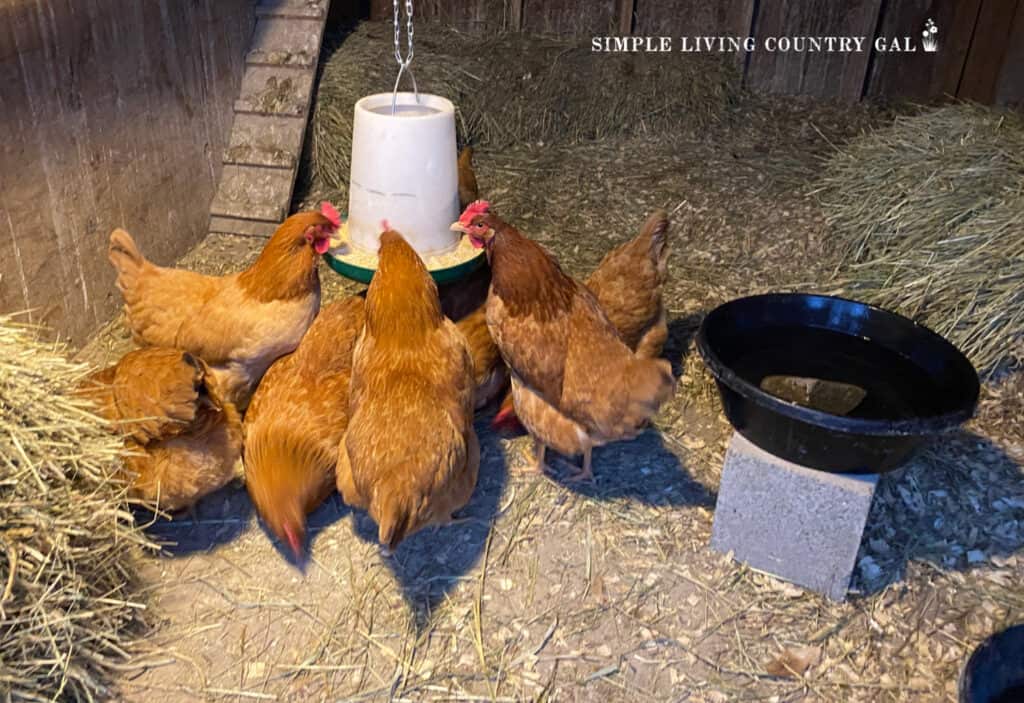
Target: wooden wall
<point x="113" y="113"/>
<point x="980" y="57"/>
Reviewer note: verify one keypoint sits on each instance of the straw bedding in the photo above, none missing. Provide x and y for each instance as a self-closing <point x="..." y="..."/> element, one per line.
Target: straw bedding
<point x="70" y="604"/>
<point x="928" y="215"/>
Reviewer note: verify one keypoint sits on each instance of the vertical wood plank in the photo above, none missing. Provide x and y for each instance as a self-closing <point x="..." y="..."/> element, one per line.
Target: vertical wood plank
<point x="690" y="18"/>
<point x="624" y="10"/>
<point x="114" y="113"/>
<point x="988" y="50"/>
<point x="515" y="15"/>
<point x="693" y="17"/>
<point x="570" y="17"/>
<point x="921" y="75"/>
<point x="381" y="9"/>
<point x="827" y="75"/>
<point x="478" y="16"/>
<point x="1010" y="87"/>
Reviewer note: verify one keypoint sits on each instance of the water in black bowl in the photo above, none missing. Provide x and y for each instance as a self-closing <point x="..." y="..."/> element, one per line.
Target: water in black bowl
<point x="893" y="387"/>
<point x="834" y="384"/>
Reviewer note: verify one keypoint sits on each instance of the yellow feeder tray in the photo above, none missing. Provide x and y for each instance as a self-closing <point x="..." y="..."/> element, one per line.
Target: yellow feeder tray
<point x="358" y="264"/>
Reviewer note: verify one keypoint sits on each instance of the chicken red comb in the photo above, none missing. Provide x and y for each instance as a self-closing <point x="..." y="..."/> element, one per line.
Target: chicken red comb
<point x="329" y="211"/>
<point x="478" y="207"/>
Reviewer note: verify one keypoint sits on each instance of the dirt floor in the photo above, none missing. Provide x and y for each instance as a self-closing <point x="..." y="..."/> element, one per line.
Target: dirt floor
<point x="608" y="592"/>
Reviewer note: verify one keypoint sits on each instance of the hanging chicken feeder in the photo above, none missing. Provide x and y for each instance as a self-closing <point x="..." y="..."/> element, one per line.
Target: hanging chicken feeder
<point x="404" y="173"/>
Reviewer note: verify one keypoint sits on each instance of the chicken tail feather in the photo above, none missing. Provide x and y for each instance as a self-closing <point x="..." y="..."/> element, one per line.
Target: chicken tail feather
<point x="657" y="227"/>
<point x="651" y="385"/>
<point x="126" y="258"/>
<point x="393" y="523"/>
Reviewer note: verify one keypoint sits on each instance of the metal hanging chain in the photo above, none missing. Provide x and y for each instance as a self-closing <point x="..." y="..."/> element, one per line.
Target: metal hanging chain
<point x="403" y="64"/>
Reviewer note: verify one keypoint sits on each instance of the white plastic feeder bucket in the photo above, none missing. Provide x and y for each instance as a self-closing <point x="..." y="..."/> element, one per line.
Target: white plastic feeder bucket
<point x="404" y="171"/>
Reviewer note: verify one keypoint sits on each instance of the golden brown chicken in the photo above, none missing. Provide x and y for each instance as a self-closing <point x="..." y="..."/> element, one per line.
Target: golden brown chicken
<point x="463" y="302"/>
<point x="489" y="371"/>
<point x="297" y="417"/>
<point x="468" y="189"/>
<point x="575" y="383"/>
<point x="183" y="437"/>
<point x="238" y="324"/>
<point x="410" y="456"/>
<point x="628" y="286"/>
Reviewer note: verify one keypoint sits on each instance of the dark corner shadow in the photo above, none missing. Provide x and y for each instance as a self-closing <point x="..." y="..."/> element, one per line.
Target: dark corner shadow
<point x="432" y="562"/>
<point x="957" y="506"/>
<point x="216" y="519"/>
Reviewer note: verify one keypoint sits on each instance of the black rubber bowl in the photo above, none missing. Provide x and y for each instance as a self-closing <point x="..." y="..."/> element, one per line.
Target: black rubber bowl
<point x="913" y="383"/>
<point x="995" y="671"/>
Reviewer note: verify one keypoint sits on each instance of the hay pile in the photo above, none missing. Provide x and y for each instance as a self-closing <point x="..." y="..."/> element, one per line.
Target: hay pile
<point x="70" y="604"/>
<point x="928" y="216"/>
<point x="515" y="88"/>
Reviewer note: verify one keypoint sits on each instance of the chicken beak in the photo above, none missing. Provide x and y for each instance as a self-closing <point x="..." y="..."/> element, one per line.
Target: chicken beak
<point x="334" y="242"/>
<point x="458" y="227"/>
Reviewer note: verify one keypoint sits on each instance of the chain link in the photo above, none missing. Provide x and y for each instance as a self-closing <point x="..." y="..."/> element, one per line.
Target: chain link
<point x="403" y="63"/>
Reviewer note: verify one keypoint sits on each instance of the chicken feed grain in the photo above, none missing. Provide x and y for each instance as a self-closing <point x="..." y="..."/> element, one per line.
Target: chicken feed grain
<point x="70" y="603"/>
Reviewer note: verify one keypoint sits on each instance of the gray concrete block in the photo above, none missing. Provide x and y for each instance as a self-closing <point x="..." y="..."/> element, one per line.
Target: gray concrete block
<point x="799" y="524"/>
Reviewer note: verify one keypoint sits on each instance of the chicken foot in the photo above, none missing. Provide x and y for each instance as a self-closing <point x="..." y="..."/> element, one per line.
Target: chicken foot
<point x="575" y="475"/>
<point x="584" y="473"/>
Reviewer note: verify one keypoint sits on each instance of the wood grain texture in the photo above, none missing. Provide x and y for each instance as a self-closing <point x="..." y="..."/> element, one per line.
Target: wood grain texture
<point x="571" y="17"/>
<point x="678" y="18"/>
<point x="381" y="9"/>
<point x="692" y="17"/>
<point x="921" y="75"/>
<point x="115" y="113"/>
<point x="466" y="15"/>
<point x="1010" y="87"/>
<point x="826" y="75"/>
<point x="988" y="50"/>
<point x="625" y="10"/>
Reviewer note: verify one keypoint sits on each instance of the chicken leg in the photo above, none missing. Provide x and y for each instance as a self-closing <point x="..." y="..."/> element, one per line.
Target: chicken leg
<point x="537" y="466"/>
<point x="584" y="473"/>
<point x="539" y="448"/>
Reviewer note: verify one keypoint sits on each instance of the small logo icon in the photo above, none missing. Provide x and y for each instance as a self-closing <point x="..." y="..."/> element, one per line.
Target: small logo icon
<point x="930" y="36"/>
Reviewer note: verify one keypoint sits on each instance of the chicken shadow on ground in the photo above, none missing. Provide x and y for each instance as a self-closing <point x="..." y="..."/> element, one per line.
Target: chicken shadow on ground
<point x="216" y="519"/>
<point x="957" y="505"/>
<point x="431" y="562"/>
<point x="643" y="469"/>
<point x="327" y="513"/>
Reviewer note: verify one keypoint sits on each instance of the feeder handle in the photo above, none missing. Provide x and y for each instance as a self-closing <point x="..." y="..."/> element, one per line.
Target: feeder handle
<point x="403" y="64"/>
